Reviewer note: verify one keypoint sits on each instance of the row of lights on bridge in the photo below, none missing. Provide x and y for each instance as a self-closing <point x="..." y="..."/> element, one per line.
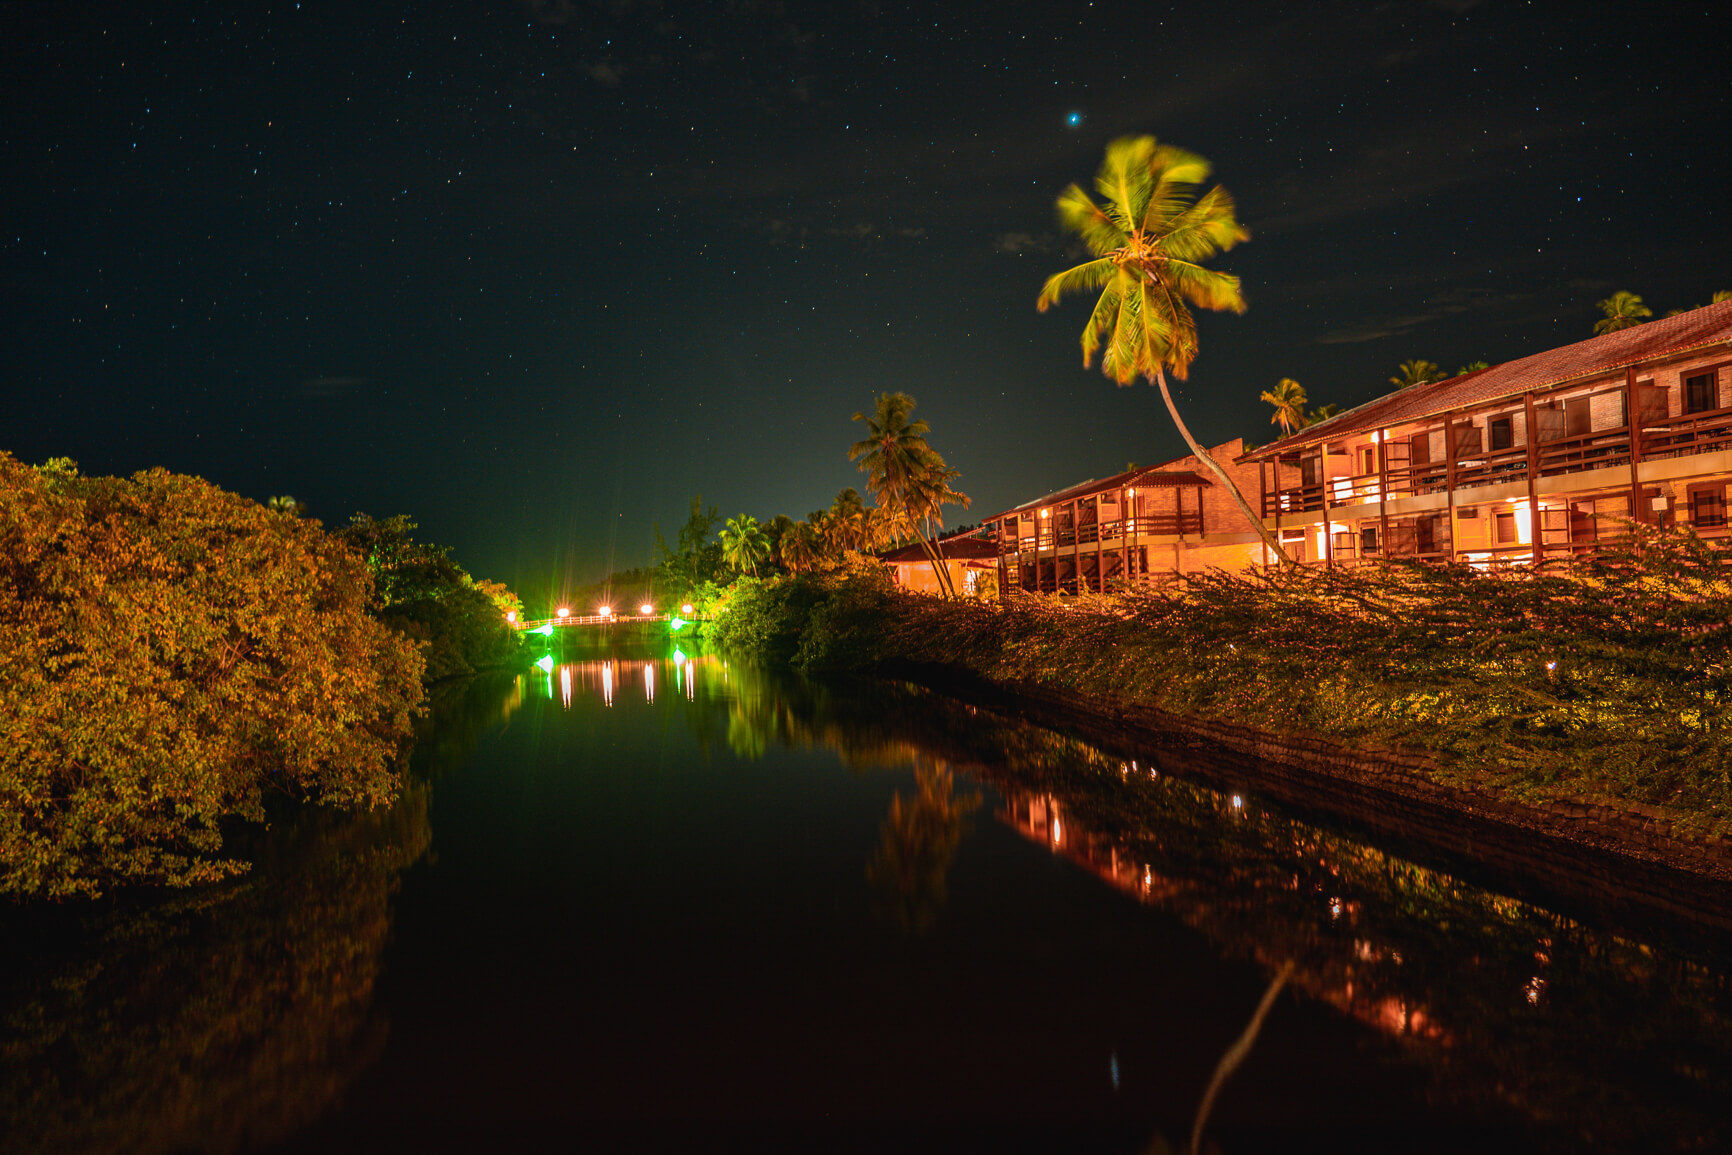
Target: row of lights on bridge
<point x="603" y="611"/>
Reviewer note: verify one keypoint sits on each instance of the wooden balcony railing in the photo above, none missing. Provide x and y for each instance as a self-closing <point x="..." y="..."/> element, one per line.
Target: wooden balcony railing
<point x="1092" y="533"/>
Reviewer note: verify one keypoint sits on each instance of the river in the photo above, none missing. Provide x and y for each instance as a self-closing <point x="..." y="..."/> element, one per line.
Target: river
<point x="652" y="901"/>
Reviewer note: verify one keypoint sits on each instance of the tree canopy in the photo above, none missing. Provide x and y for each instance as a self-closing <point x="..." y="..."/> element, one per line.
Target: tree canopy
<point x="171" y="653"/>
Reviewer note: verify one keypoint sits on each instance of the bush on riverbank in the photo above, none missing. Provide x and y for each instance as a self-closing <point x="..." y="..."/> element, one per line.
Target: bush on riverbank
<point x="1608" y="679"/>
<point x="170" y="652"/>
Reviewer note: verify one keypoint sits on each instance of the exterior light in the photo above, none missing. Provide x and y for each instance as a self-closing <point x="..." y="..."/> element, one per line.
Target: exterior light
<point x="604" y="611"/>
<point x="561" y="612"/>
<point x="511" y="615"/>
<point x="1130" y="493"/>
<point x="545" y="631"/>
<point x="677" y="625"/>
<point x="646" y="608"/>
<point x="686" y="609"/>
<point x="1045" y="512"/>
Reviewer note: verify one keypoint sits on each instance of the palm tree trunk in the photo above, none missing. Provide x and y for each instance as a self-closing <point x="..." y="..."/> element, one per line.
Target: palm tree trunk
<point x="936" y="557"/>
<point x="1214" y="467"/>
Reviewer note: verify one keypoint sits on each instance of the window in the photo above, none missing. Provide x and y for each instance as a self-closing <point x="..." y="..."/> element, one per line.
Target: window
<point x="1467" y="441"/>
<point x="1368" y="540"/>
<point x="1292" y="535"/>
<point x="1502" y="431"/>
<point x="1708" y="506"/>
<point x="1506" y="527"/>
<point x="1425" y="534"/>
<point x="1699" y="393"/>
<point x="1578" y="416"/>
<point x="1368" y="460"/>
<point x="1311" y="469"/>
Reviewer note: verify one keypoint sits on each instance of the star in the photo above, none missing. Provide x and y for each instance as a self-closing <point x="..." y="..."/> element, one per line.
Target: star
<point x="1073" y="119"/>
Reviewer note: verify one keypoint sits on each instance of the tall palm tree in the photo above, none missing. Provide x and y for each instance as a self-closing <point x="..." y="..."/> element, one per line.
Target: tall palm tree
<point x="1623" y="310"/>
<point x="1288" y="398"/>
<point x="1417" y="373"/>
<point x="744" y="544"/>
<point x="1321" y="413"/>
<point x="1149" y="238"/>
<point x="800" y="548"/>
<point x="905" y="475"/>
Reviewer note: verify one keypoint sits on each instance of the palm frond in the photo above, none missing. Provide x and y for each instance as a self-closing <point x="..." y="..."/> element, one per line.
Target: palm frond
<point x="1207" y="288"/>
<point x="1203" y="229"/>
<point x="1079" y="214"/>
<point x="1125" y="181"/>
<point x="1082" y="278"/>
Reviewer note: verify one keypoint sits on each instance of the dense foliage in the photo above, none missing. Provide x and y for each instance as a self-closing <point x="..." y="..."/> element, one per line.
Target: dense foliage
<point x="424" y="595"/>
<point x="169" y="653"/>
<point x="1607" y="679"/>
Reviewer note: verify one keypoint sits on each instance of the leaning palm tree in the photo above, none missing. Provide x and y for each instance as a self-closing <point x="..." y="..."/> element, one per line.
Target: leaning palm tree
<point x="1417" y="373"/>
<point x="900" y="469"/>
<point x="1288" y="398"/>
<point x="744" y="544"/>
<point x="1623" y="310"/>
<point x="1149" y="238"/>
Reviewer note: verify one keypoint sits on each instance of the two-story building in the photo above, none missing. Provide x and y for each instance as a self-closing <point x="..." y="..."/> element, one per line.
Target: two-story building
<point x="1162" y="520"/>
<point x="1535" y="458"/>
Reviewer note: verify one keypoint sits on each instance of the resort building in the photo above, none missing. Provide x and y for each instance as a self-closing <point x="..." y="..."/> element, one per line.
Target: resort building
<point x="1159" y="521"/>
<point x="966" y="558"/>
<point x="1531" y="459"/>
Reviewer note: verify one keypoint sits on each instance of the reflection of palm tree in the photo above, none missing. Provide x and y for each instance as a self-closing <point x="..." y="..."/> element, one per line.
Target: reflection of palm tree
<point x="916" y="846"/>
<point x="1288" y="398"/>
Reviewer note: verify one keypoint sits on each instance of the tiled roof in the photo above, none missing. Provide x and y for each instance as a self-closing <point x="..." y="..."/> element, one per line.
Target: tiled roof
<point x="1151" y="477"/>
<point x="953" y="548"/>
<point x="1696" y="329"/>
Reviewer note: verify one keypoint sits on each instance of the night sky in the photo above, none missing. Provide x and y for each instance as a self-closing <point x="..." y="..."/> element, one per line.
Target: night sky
<point x="536" y="273"/>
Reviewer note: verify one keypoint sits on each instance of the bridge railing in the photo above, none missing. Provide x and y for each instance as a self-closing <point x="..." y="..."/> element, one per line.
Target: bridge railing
<point x="606" y="620"/>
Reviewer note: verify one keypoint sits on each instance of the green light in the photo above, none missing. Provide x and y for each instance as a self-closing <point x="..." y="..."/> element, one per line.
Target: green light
<point x="546" y="664"/>
<point x="680" y="658"/>
<point x="677" y="624"/>
<point x="545" y="631"/>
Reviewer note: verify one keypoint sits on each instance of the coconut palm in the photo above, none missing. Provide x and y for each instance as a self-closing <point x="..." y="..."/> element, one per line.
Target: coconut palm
<point x="744" y="544"/>
<point x="1472" y="367"/>
<point x="1417" y="373"/>
<point x="1288" y="398"/>
<point x="286" y="504"/>
<point x="1720" y="295"/>
<point x="801" y="548"/>
<point x="1322" y="413"/>
<point x="905" y="475"/>
<point x="1149" y="238"/>
<point x="1623" y="310"/>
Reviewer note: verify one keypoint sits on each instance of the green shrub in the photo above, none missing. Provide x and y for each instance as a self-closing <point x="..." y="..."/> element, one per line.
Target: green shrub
<point x="169" y="652"/>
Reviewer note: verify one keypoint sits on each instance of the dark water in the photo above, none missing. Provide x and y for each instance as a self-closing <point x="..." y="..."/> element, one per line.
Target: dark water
<point x="659" y="903"/>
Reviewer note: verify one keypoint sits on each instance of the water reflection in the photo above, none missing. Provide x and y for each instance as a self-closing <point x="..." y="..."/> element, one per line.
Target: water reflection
<point x="916" y="845"/>
<point x="1619" y="1033"/>
<point x="215" y="1021"/>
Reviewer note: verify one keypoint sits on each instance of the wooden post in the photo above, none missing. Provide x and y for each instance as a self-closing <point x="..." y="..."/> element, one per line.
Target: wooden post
<point x="1383" y="493"/>
<point x="1328" y="531"/>
<point x="1631" y="418"/>
<point x="1534" y="518"/>
<point x="1449" y="478"/>
<point x="1124" y="537"/>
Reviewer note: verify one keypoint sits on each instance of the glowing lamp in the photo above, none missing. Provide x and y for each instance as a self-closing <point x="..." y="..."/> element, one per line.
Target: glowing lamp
<point x="646" y="608"/>
<point x="511" y="615"/>
<point x="686" y="609"/>
<point x="605" y="611"/>
<point x="677" y="625"/>
<point x="1130" y="493"/>
<point x="1046" y="513"/>
<point x="561" y="612"/>
<point x="545" y="631"/>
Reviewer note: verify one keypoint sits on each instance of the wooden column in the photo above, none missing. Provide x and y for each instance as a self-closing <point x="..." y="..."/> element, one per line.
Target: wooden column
<point x="1449" y="478"/>
<point x="1328" y="531"/>
<point x="1631" y="418"/>
<point x="1534" y="518"/>
<point x="1263" y="510"/>
<point x="1124" y="536"/>
<point x="1383" y="493"/>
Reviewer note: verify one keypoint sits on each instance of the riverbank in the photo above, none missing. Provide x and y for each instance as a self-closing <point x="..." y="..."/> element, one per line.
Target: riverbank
<point x="1581" y="707"/>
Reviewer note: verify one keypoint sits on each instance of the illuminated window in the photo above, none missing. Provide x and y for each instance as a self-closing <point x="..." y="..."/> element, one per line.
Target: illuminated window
<point x="1506" y="527"/>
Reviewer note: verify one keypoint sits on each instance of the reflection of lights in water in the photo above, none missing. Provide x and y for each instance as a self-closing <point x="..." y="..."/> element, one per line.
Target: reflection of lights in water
<point x="565" y="685"/>
<point x="1238" y="802"/>
<point x="607" y="682"/>
<point x="1148" y="877"/>
<point x="649" y="682"/>
<point x="1057" y="832"/>
<point x="1535" y="988"/>
<point x="1335" y="908"/>
<point x="545" y="665"/>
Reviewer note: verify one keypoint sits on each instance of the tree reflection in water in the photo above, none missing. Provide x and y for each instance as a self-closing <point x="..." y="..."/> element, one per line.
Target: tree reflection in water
<point x="1616" y="1030"/>
<point x="218" y="1020"/>
<point x="916" y="846"/>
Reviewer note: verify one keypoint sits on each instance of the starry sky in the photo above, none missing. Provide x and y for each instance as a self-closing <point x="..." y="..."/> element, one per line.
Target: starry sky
<point x="538" y="272"/>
